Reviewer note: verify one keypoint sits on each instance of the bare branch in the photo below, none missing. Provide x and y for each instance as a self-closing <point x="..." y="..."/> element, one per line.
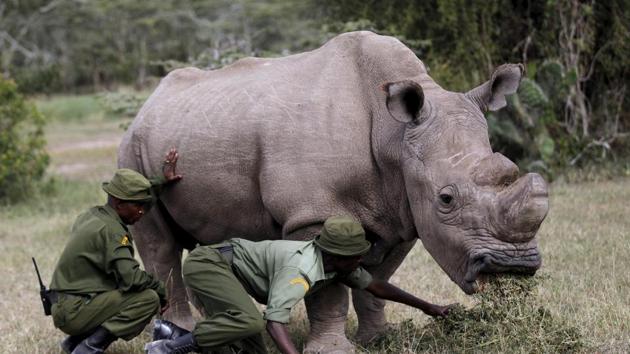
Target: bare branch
<point x="16" y="46"/>
<point x="49" y="7"/>
<point x="593" y="61"/>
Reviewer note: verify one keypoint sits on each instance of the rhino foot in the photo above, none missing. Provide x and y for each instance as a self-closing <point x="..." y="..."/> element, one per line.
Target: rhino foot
<point x="329" y="343"/>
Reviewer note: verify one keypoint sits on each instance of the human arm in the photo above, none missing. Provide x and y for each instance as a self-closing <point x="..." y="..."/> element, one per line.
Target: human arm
<point x="125" y="270"/>
<point x="280" y="335"/>
<point x="288" y="287"/>
<point x="387" y="291"/>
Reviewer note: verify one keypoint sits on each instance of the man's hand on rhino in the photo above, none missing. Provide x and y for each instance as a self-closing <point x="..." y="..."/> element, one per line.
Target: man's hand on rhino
<point x="169" y="166"/>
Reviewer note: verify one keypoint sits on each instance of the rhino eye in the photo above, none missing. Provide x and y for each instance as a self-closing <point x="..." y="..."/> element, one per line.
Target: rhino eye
<point x="446" y="199"/>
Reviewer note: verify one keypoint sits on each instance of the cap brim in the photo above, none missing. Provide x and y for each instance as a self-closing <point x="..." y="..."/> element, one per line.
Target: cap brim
<point x="345" y="253"/>
<point x="114" y="192"/>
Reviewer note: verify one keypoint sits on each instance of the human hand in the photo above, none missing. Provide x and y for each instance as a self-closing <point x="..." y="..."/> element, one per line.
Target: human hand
<point x="169" y="166"/>
<point x="440" y="311"/>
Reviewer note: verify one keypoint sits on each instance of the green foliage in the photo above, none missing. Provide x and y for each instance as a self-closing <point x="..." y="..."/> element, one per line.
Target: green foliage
<point x="38" y="79"/>
<point x="508" y="317"/>
<point x="528" y="130"/>
<point x="121" y="104"/>
<point x="22" y="156"/>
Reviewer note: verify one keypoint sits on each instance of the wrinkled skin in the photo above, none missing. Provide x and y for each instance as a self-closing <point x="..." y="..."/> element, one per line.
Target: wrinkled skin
<point x="270" y="148"/>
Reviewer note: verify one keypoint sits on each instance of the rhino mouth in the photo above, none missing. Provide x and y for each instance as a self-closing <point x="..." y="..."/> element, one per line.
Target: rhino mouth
<point x="527" y="262"/>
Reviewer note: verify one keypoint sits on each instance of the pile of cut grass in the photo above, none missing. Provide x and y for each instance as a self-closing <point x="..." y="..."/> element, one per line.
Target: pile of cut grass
<point x="508" y="317"/>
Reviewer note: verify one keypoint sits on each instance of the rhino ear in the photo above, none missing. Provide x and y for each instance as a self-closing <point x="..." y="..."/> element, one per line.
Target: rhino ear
<point x="404" y="100"/>
<point x="491" y="94"/>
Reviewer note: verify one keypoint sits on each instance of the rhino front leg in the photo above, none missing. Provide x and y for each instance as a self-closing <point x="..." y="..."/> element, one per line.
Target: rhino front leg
<point x="162" y="256"/>
<point x="370" y="309"/>
<point x="327" y="311"/>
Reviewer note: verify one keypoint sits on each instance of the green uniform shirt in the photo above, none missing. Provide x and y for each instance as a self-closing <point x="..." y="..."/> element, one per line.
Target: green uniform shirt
<point x="281" y="273"/>
<point x="99" y="257"/>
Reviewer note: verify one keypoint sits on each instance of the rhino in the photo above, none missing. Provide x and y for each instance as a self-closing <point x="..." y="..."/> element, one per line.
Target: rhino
<point x="270" y="148"/>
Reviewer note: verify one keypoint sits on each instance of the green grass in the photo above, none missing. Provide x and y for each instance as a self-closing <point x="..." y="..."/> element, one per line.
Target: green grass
<point x="70" y="108"/>
<point x="585" y="243"/>
<point x="509" y="317"/>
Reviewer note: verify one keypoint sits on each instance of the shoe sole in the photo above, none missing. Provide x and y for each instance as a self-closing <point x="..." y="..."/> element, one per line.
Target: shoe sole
<point x="149" y="346"/>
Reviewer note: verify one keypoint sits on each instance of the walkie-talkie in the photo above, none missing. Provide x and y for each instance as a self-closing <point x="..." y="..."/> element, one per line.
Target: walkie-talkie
<point x="43" y="292"/>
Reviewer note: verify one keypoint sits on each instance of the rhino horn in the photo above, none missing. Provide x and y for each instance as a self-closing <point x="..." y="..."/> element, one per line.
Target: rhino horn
<point x="404" y="100"/>
<point x="491" y="94"/>
<point x="522" y="208"/>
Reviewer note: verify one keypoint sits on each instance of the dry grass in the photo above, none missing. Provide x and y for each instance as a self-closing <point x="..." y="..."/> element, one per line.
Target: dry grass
<point x="585" y="243"/>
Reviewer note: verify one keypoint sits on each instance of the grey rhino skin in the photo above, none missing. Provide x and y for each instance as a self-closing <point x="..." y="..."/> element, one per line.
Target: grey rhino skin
<point x="270" y="148"/>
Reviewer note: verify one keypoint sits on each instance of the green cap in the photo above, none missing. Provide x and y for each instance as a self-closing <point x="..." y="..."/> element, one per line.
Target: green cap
<point x="343" y="236"/>
<point x="129" y="185"/>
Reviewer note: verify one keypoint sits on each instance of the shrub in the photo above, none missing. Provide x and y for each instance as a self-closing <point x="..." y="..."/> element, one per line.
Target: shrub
<point x="23" y="159"/>
<point x="121" y="104"/>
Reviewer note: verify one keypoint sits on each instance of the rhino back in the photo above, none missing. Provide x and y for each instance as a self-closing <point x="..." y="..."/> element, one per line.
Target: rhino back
<point x="269" y="146"/>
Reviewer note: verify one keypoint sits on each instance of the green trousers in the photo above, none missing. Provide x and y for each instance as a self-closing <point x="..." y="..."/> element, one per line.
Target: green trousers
<point x="231" y="318"/>
<point x="123" y="314"/>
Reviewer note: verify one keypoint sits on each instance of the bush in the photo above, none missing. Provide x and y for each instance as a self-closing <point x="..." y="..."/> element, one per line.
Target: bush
<point x="23" y="160"/>
<point x="38" y="79"/>
<point x="121" y="104"/>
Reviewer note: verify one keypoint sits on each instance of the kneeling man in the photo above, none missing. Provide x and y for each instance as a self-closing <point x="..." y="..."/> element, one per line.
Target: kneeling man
<point x="279" y="274"/>
<point x="100" y="293"/>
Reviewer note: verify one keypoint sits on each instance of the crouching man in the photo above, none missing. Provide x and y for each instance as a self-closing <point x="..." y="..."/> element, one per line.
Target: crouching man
<point x="277" y="273"/>
<point x="101" y="292"/>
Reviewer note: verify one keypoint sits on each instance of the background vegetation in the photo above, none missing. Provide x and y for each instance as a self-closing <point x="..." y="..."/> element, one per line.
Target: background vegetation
<point x="22" y="156"/>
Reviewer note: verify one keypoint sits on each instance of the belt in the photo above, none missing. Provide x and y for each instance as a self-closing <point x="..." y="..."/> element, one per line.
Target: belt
<point x="227" y="252"/>
<point x="54" y="296"/>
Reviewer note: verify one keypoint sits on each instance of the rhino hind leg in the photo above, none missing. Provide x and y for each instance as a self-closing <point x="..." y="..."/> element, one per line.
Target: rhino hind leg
<point x="327" y="311"/>
<point x="371" y="310"/>
<point x="162" y="256"/>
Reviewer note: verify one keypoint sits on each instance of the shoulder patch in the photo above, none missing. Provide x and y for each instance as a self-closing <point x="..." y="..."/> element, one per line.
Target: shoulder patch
<point x="124" y="241"/>
<point x="300" y="281"/>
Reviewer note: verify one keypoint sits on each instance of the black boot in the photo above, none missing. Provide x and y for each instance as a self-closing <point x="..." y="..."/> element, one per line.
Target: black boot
<point x="179" y="345"/>
<point x="163" y="329"/>
<point x="70" y="342"/>
<point x="96" y="343"/>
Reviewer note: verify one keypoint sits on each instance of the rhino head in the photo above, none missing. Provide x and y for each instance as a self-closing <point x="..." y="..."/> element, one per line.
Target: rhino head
<point x="472" y="211"/>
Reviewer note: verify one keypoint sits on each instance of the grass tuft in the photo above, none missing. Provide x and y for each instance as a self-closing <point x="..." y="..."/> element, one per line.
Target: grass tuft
<point x="508" y="317"/>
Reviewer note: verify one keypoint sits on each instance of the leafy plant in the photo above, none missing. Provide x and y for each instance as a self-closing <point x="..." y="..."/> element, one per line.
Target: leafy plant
<point x="121" y="104"/>
<point x="525" y="130"/>
<point x="23" y="160"/>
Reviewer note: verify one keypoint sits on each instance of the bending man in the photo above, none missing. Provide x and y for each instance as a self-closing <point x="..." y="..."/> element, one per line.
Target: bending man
<point x="279" y="274"/>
